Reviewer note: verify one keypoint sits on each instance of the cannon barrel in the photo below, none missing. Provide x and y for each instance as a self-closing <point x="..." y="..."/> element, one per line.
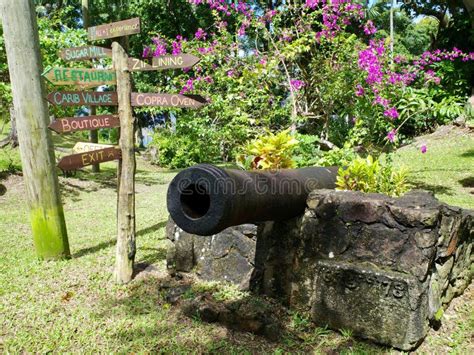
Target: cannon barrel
<point x="205" y="199"/>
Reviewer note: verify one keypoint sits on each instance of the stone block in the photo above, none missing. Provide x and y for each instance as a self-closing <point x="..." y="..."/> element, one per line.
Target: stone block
<point x="226" y="256"/>
<point x="379" y="266"/>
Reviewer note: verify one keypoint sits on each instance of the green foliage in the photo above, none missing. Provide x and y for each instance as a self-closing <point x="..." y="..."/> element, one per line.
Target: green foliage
<point x="300" y="322"/>
<point x="328" y="71"/>
<point x="183" y="150"/>
<point x="10" y="161"/>
<point x="307" y="152"/>
<point x="5" y="88"/>
<point x="229" y="292"/>
<point x="338" y="156"/>
<point x="271" y="151"/>
<point x="373" y="175"/>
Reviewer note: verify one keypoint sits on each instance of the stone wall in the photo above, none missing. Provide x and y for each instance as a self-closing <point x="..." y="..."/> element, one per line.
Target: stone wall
<point x="384" y="268"/>
<point x="226" y="256"/>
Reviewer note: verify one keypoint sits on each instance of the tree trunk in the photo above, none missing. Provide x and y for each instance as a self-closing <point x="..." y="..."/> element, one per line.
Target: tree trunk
<point x="125" y="252"/>
<point x="31" y="111"/>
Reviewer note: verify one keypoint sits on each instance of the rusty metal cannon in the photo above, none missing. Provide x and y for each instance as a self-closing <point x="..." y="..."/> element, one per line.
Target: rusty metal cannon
<point x="205" y="199"/>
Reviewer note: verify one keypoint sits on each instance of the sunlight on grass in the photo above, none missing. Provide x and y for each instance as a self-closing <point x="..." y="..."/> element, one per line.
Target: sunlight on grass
<point x="447" y="168"/>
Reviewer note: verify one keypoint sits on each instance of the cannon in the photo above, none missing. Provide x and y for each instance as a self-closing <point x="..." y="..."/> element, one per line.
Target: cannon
<point x="205" y="199"/>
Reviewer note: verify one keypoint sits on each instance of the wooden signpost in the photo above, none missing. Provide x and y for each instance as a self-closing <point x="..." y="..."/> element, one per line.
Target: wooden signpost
<point x="86" y="123"/>
<point x="76" y="161"/>
<point x="167" y="100"/>
<point x="164" y="62"/>
<point x="114" y="29"/>
<point x="80" y="76"/>
<point x="80" y="98"/>
<point x="91" y="154"/>
<point x="82" y="147"/>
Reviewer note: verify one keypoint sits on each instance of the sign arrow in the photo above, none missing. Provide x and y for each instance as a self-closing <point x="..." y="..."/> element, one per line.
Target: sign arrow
<point x="164" y="62"/>
<point x="82" y="147"/>
<point x="114" y="29"/>
<point x="79" y="76"/>
<point x="167" y="100"/>
<point x="79" y="98"/>
<point x="84" y="53"/>
<point x="75" y="161"/>
<point x="86" y="123"/>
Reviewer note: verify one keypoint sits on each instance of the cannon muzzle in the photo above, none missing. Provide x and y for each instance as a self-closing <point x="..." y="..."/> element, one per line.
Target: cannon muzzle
<point x="205" y="199"/>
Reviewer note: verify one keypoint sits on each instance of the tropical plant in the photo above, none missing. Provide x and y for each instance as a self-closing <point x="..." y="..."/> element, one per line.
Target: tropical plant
<point x="373" y="175"/>
<point x="271" y="151"/>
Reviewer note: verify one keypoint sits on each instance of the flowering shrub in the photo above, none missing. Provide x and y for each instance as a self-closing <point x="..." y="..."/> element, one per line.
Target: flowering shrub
<point x="320" y="68"/>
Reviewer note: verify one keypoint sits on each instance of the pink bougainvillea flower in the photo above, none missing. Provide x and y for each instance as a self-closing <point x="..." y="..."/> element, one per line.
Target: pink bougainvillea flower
<point x="176" y="48"/>
<point x="200" y="34"/>
<point x="146" y="52"/>
<point x="359" y="90"/>
<point x="391" y="135"/>
<point x="297" y="84"/>
<point x="369" y="28"/>
<point x="391" y="112"/>
<point x="423" y="148"/>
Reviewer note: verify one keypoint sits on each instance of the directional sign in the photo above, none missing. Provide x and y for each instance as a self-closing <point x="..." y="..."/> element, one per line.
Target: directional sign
<point x="164" y="62"/>
<point x="167" y="100"/>
<point x="114" y="29"/>
<point x="86" y="123"/>
<point x="75" y="161"/>
<point x="80" y="76"/>
<point x="79" y="98"/>
<point x="82" y="147"/>
<point x="85" y="53"/>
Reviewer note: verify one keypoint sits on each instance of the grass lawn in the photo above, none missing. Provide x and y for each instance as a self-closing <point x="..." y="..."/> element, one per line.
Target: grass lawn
<point x="74" y="306"/>
<point x="447" y="168"/>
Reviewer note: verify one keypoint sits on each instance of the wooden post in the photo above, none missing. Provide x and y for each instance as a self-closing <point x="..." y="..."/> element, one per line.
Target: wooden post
<point x="125" y="252"/>
<point x="36" y="149"/>
<point x="94" y="134"/>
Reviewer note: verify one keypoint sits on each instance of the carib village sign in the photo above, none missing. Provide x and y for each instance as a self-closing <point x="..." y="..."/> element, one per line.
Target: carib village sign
<point x="124" y="99"/>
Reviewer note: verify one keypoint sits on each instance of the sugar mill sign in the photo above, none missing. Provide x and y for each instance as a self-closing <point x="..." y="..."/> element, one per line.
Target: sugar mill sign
<point x="84" y="53"/>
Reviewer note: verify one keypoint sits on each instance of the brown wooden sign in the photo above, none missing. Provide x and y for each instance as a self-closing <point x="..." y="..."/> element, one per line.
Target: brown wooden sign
<point x="164" y="62"/>
<point x="80" y="76"/>
<point x="79" y="98"/>
<point x="86" y="123"/>
<point x="85" y="53"/>
<point x="167" y="100"/>
<point x="114" y="29"/>
<point x="75" y="161"/>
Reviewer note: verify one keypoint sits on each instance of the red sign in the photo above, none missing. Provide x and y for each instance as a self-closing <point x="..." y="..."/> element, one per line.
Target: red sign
<point x="75" y="161"/>
<point x="114" y="29"/>
<point x="86" y="123"/>
<point x="79" y="98"/>
<point x="167" y="100"/>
